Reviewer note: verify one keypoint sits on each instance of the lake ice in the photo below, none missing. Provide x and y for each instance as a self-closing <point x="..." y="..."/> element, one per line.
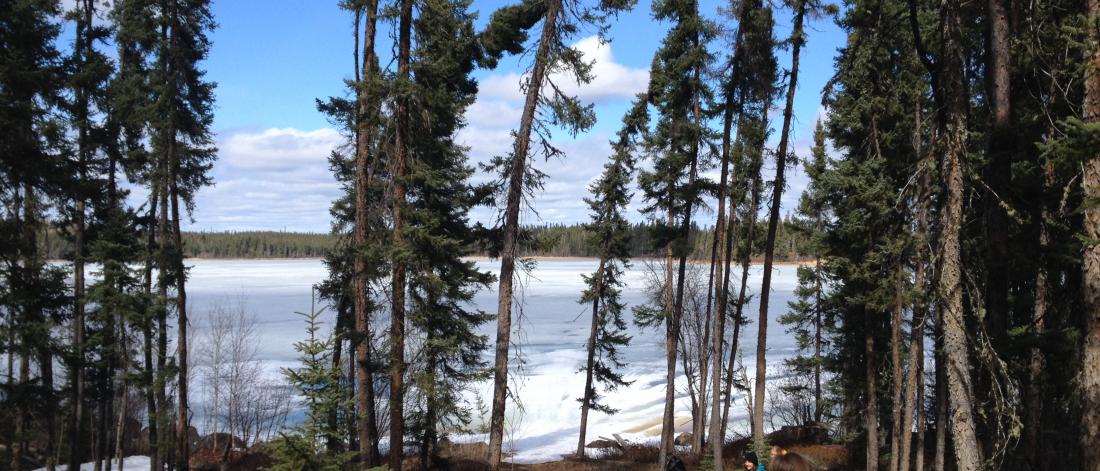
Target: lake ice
<point x="552" y="333"/>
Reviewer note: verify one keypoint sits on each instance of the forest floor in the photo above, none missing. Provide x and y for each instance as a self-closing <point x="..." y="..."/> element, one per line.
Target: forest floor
<point x="471" y="457"/>
<point x="610" y="456"/>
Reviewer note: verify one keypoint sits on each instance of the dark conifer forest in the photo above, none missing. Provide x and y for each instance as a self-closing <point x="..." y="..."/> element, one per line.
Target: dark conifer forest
<point x="947" y="308"/>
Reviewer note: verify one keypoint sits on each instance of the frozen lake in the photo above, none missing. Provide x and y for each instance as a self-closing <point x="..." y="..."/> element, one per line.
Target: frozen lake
<point x="552" y="333"/>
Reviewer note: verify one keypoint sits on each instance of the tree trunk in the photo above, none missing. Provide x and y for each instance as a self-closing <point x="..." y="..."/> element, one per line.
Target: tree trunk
<point x="397" y="319"/>
<point x="818" y="405"/>
<point x="49" y="412"/>
<point x="76" y="373"/>
<point x="1090" y="374"/>
<point x="183" y="442"/>
<point x="719" y="263"/>
<point x="871" y="401"/>
<point x="918" y="463"/>
<point x="148" y="373"/>
<point x="367" y="423"/>
<point x="10" y="347"/>
<point x="699" y="419"/>
<point x="589" y="390"/>
<point x="914" y="389"/>
<point x="913" y="392"/>
<point x="123" y="402"/>
<point x="164" y="442"/>
<point x="939" y="462"/>
<point x="895" y="359"/>
<point x="21" y="414"/>
<point x="956" y="345"/>
<point x="511" y="232"/>
<point x="750" y="230"/>
<point x="673" y="322"/>
<point x="669" y="410"/>
<point x="1033" y="412"/>
<point x="1001" y="141"/>
<point x="773" y="225"/>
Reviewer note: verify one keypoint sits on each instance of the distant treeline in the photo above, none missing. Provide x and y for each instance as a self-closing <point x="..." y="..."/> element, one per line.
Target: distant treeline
<point x="554" y="240"/>
<point x="243" y="244"/>
<point x="571" y="240"/>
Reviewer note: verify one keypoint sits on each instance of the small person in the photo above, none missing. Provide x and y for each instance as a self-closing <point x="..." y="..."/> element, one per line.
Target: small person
<point x="752" y="463"/>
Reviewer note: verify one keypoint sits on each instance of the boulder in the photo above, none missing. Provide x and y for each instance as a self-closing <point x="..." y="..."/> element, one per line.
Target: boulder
<point x="603" y="443"/>
<point x="683" y="439"/>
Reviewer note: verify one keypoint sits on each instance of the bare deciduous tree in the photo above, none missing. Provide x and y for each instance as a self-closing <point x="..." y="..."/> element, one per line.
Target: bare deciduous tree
<point x="238" y="399"/>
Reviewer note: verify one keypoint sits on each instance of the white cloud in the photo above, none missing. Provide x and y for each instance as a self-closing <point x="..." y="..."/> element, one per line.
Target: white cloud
<point x="610" y="79"/>
<point x="271" y="179"/>
<point x="278" y="148"/>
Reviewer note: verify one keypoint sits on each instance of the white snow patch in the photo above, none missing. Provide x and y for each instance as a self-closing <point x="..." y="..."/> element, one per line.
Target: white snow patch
<point x="130" y="463"/>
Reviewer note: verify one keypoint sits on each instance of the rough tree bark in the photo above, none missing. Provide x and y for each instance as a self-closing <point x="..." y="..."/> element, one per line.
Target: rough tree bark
<point x="1001" y="142"/>
<point x="1090" y="374"/>
<point x="511" y="231"/>
<point x="397" y="319"/>
<point x="367" y="422"/>
<point x="871" y="401"/>
<point x="968" y="452"/>
<point x="76" y="372"/>
<point x="896" y="318"/>
<point x="914" y="391"/>
<point x="148" y="373"/>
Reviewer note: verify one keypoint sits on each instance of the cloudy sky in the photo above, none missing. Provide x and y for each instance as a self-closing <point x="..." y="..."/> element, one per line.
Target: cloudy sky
<point x="272" y="59"/>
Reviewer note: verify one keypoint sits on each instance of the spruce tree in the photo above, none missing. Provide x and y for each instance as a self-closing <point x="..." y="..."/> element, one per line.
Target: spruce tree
<point x="33" y="297"/>
<point x="608" y="232"/>
<point x="130" y="101"/>
<point x="870" y="125"/>
<point x="801" y="9"/>
<point x="91" y="70"/>
<point x="368" y="98"/>
<point x="319" y="385"/>
<point x="183" y="144"/>
<point x="804" y="319"/>
<point x="545" y="105"/>
<point x="680" y="141"/>
<point x="441" y="282"/>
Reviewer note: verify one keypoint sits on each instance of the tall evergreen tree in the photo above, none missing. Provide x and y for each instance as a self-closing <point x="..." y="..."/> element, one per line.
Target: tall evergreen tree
<point x="441" y="282"/>
<point x="130" y="101"/>
<point x="32" y="294"/>
<point x="545" y="105"/>
<point x="399" y="253"/>
<point x="88" y="83"/>
<point x="870" y="125"/>
<point x="681" y="141"/>
<point x="609" y="233"/>
<point x="801" y="9"/>
<point x="747" y="93"/>
<point x="368" y="98"/>
<point x="722" y="247"/>
<point x="1090" y="377"/>
<point x="804" y="319"/>
<point x="183" y="144"/>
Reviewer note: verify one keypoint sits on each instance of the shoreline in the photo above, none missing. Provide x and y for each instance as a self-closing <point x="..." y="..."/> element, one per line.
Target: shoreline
<point x="486" y="257"/>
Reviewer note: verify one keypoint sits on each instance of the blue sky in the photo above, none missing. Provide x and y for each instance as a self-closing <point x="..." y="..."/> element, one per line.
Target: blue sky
<point x="272" y="59"/>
